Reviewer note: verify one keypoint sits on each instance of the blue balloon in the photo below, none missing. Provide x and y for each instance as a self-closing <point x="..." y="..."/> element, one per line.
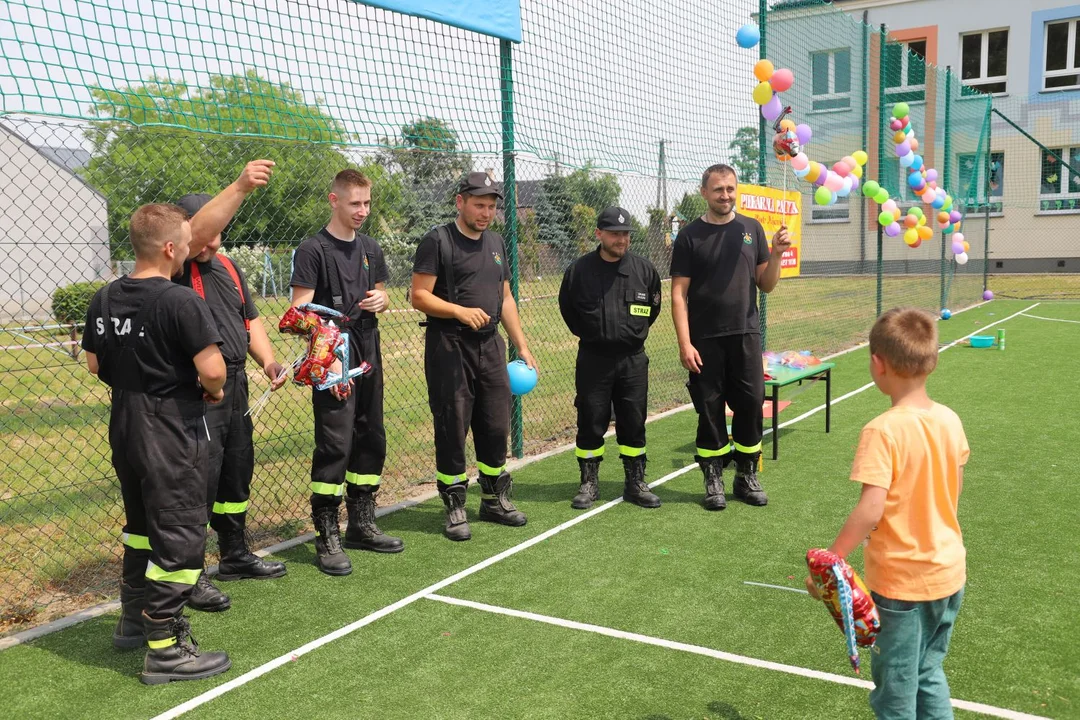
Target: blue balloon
<point x="748" y="36"/>
<point x="522" y="377"/>
<point x="938" y="203"/>
<point x="916" y="164"/>
<point x="914" y="179"/>
<point x="834" y="199"/>
<point x="802" y="173"/>
<point x="945" y="314"/>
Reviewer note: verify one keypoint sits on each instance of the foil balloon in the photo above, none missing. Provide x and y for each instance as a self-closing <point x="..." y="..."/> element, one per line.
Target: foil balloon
<point x="847" y="599"/>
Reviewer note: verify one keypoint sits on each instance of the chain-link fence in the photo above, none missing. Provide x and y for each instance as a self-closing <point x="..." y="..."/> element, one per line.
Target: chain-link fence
<point x="600" y="104"/>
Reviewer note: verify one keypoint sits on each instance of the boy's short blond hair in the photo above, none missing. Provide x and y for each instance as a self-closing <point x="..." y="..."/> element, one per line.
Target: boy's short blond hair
<point x="153" y="225"/>
<point x="907" y="339"/>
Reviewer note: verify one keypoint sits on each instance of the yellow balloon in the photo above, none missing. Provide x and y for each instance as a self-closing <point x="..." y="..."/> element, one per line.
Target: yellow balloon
<point x="815" y="171"/>
<point x="856" y="171"/>
<point x="911" y="236"/>
<point x="763" y="70"/>
<point x="860" y="157"/>
<point x="899" y="137"/>
<point x="787" y="124"/>
<point x="763" y="93"/>
<point x="966" y="246"/>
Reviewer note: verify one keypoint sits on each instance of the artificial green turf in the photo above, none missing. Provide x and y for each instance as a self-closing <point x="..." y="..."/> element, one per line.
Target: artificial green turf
<point x="676" y="572"/>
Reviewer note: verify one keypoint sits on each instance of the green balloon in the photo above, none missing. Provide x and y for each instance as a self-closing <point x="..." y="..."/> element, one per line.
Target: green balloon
<point x="948" y="204"/>
<point x="916" y="211"/>
<point x="900" y="110"/>
<point x="870" y="188"/>
<point x="885" y="219"/>
<point x="823" y="195"/>
<point x="881" y="196"/>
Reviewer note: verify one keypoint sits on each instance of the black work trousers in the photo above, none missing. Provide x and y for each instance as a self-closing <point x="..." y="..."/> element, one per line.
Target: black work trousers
<point x="232" y="453"/>
<point x="160" y="454"/>
<point x="350" y="438"/>
<point x="468" y="387"/>
<point x="603" y="380"/>
<point x="731" y="374"/>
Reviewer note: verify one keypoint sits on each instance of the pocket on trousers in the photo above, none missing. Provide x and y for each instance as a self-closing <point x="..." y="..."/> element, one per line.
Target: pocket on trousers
<point x="695" y="396"/>
<point x="183" y="517"/>
<point x="897" y="606"/>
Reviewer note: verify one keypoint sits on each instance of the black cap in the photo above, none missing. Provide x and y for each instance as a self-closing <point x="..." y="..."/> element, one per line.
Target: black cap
<point x="193" y="203"/>
<point x="478" y="183"/>
<point x="615" y="219"/>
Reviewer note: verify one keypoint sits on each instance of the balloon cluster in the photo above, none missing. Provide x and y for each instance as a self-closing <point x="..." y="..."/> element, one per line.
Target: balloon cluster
<point x="923" y="181"/>
<point x="791" y="139"/>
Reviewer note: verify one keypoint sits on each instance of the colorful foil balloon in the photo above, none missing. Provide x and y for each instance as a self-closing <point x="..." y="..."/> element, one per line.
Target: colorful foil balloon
<point x="326" y="343"/>
<point x="847" y="599"/>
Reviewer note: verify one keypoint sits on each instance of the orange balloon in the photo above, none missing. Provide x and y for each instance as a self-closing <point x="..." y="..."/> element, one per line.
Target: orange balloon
<point x="925" y="233"/>
<point x="956" y="227"/>
<point x="899" y="137"/>
<point x="782" y="158"/>
<point x="763" y="70"/>
<point x="787" y="124"/>
<point x="943" y="217"/>
<point x="911" y="221"/>
<point x="914" y="144"/>
<point x="966" y="246"/>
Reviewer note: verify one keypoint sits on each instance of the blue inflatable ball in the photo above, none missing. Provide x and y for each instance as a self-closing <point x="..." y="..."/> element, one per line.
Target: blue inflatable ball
<point x="522" y="377"/>
<point x="945" y="314"/>
<point x="748" y="36"/>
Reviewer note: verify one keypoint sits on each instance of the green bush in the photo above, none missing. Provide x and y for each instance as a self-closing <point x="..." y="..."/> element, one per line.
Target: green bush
<point x="70" y="303"/>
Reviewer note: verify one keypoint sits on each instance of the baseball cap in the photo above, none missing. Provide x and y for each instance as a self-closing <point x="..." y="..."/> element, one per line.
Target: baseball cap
<point x="193" y="203"/>
<point x="615" y="219"/>
<point x="478" y="183"/>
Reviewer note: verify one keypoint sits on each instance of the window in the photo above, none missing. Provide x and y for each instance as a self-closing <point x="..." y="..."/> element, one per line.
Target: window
<point x="831" y="213"/>
<point x="1061" y="67"/>
<point x="973" y="182"/>
<point x="983" y="60"/>
<point x="1060" y="188"/>
<point x="831" y="80"/>
<point x="905" y="71"/>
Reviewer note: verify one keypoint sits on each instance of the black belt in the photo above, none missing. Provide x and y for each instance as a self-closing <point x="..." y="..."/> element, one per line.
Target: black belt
<point x="365" y="323"/>
<point x="614" y="352"/>
<point x="453" y="326"/>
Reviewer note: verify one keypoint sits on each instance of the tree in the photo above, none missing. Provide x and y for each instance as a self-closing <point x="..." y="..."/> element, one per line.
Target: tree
<point x="160" y="140"/>
<point x="562" y="207"/>
<point x="690" y="208"/>
<point x="745" y="156"/>
<point x="427" y="151"/>
<point x="583" y="224"/>
<point x="529" y="244"/>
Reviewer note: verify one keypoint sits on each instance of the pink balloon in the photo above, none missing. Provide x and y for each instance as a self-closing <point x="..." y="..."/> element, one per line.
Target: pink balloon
<point x="800" y="161"/>
<point x="834" y="182"/>
<point x="931" y="175"/>
<point x="895" y="125"/>
<point x="890" y="206"/>
<point x="802" y="131"/>
<point x="841" y="168"/>
<point x="958" y="237"/>
<point x="772" y="109"/>
<point x="781" y="80"/>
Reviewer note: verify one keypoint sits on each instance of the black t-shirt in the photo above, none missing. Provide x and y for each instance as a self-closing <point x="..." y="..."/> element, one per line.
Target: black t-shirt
<point x="610" y="305"/>
<point x="353" y="266"/>
<point x="480" y="269"/>
<point x="178" y="329"/>
<point x="721" y="262"/>
<point x="224" y="302"/>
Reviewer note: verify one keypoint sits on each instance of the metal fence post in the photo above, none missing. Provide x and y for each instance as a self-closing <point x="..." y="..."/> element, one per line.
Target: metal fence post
<point x="881" y="157"/>
<point x="946" y="165"/>
<point x="506" y="87"/>
<point x="763" y="145"/>
<point x="986" y="186"/>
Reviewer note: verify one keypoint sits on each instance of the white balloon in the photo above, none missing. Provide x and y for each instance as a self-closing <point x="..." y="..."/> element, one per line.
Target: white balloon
<point x="962" y="259"/>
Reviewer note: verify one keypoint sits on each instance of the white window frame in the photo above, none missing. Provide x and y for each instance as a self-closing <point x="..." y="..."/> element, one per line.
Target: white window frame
<point x="905" y="58"/>
<point x="1062" y="193"/>
<point x="832" y="94"/>
<point x="984" y="60"/>
<point x="997" y="197"/>
<point x="831" y="214"/>
<point x="1070" y="54"/>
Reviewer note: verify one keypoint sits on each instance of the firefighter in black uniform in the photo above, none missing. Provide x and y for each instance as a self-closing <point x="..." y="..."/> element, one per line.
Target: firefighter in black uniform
<point x="341" y="268"/>
<point x="461" y="282"/>
<point x="718" y="263"/>
<point x="155" y="344"/>
<point x="609" y="299"/>
<point x="222" y="284"/>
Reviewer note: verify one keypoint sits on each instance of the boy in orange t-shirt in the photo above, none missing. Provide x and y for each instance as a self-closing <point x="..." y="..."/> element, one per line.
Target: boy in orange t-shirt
<point x="910" y="461"/>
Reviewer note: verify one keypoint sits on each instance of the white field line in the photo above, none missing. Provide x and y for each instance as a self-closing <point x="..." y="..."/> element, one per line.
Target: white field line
<point x="716" y="654"/>
<point x="393" y="607"/>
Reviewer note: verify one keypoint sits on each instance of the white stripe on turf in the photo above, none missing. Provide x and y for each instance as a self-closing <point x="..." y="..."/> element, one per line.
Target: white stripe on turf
<point x="717" y="654"/>
<point x="368" y="619"/>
